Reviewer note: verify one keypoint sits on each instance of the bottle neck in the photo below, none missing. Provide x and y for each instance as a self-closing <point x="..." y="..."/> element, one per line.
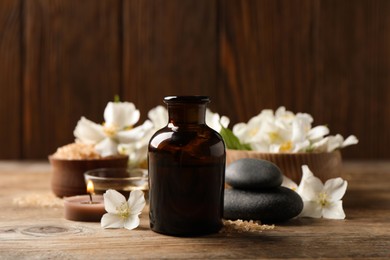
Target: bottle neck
<point x="183" y="113"/>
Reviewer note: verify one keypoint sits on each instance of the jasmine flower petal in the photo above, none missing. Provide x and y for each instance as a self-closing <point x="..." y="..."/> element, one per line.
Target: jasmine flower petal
<point x="110" y="220"/>
<point x="300" y="126"/>
<point x="301" y="147"/>
<point x="88" y="131"/>
<point x="350" y="141"/>
<point x="121" y="114"/>
<point x="321" y="145"/>
<point x="240" y="130"/>
<point x="335" y="188"/>
<point x="288" y="183"/>
<point x="112" y="200"/>
<point x="311" y="209"/>
<point x="335" y="142"/>
<point x="158" y="116"/>
<point x="310" y="188"/>
<point x="225" y="121"/>
<point x="131" y="222"/>
<point x="134" y="134"/>
<point x="283" y="114"/>
<point x="107" y="147"/>
<point x="137" y="153"/>
<point x="136" y="202"/>
<point x="334" y="211"/>
<point x="214" y="121"/>
<point x="306" y="172"/>
<point x="317" y="132"/>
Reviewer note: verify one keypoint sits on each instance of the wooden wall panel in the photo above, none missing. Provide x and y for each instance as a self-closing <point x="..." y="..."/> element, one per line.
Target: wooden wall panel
<point x="170" y="48"/>
<point x="266" y="56"/>
<point x="328" y="58"/>
<point x="72" y="68"/>
<point x="61" y="59"/>
<point x="353" y="88"/>
<point x="10" y="79"/>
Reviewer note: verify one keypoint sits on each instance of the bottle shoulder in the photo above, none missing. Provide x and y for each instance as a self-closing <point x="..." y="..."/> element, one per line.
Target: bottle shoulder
<point x="198" y="130"/>
<point x="186" y="135"/>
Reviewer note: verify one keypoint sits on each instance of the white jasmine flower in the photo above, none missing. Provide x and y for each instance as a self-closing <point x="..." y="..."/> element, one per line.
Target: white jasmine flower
<point x="321" y="200"/>
<point x="214" y="121"/>
<point x="259" y="132"/>
<point x="331" y="143"/>
<point x="119" y="115"/>
<point x="286" y="132"/>
<point x="122" y="213"/>
<point x="295" y="138"/>
<point x="120" y="118"/>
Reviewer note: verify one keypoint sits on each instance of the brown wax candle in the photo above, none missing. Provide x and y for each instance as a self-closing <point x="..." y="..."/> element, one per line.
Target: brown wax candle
<point x="80" y="208"/>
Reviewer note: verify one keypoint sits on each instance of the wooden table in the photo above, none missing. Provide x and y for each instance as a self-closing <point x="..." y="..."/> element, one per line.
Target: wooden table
<point x="32" y="231"/>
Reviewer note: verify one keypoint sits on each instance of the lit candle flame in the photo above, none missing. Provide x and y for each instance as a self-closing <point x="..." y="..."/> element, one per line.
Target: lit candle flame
<point x="90" y="188"/>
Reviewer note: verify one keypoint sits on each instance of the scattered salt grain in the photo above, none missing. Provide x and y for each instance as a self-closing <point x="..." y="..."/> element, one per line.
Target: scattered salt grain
<point x="46" y="200"/>
<point x="241" y="226"/>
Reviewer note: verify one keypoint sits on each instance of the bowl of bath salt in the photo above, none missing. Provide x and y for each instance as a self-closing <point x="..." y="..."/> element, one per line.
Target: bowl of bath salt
<point x="70" y="162"/>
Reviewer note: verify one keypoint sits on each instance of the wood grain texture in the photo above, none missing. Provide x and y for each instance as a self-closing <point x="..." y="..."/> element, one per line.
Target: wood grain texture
<point x="327" y="58"/>
<point x="266" y="56"/>
<point x="169" y="48"/>
<point x="35" y="232"/>
<point x="72" y="68"/>
<point x="10" y="78"/>
<point x="63" y="59"/>
<point x="353" y="73"/>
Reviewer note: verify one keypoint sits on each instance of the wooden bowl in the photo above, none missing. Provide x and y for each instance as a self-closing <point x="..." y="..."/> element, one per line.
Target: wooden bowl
<point x="68" y="175"/>
<point x="323" y="165"/>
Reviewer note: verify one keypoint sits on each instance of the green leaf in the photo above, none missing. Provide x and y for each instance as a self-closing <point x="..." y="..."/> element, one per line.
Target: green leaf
<point x="232" y="141"/>
<point x="117" y="99"/>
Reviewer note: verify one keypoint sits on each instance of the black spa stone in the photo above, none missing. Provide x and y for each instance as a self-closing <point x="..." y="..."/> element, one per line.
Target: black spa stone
<point x="253" y="174"/>
<point x="269" y="206"/>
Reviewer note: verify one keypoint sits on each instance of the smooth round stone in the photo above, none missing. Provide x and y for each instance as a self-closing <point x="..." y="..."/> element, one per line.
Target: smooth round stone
<point x="253" y="174"/>
<point x="269" y="206"/>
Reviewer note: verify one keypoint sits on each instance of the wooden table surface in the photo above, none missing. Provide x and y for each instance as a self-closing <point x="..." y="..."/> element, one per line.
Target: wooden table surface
<point x="31" y="230"/>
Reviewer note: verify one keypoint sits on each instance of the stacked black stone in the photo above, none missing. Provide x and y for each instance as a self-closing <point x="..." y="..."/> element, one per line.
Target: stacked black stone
<point x="257" y="194"/>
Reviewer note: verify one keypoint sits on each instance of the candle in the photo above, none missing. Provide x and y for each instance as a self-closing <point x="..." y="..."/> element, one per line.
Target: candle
<point x="85" y="207"/>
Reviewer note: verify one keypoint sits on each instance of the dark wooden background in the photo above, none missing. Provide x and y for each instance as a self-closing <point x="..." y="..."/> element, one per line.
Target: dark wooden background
<point x="63" y="59"/>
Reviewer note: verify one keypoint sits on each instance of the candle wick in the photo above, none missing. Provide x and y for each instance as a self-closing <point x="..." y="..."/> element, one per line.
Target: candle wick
<point x="90" y="198"/>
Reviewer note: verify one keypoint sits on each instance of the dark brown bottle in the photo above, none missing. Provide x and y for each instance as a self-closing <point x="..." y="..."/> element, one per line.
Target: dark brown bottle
<point x="186" y="171"/>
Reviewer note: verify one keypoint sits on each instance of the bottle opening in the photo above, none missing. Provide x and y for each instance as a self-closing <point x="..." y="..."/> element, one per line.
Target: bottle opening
<point x="187" y="99"/>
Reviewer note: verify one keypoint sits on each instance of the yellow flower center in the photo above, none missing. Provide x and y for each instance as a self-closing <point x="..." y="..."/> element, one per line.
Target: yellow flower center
<point x="122" y="150"/>
<point x="286" y="147"/>
<point x="253" y="132"/>
<point x="274" y="136"/>
<point x="123" y="210"/>
<point x="322" y="199"/>
<point x="110" y="130"/>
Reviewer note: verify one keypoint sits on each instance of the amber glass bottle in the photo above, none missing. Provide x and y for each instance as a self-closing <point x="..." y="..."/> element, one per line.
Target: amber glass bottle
<point x="186" y="171"/>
